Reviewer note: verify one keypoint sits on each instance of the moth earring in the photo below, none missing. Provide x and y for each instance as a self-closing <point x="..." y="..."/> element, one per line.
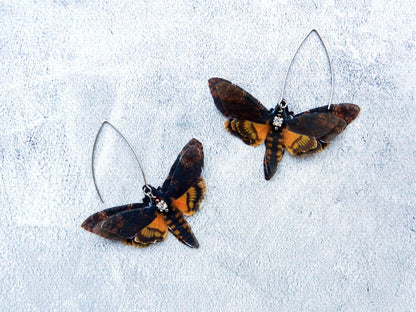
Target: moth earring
<point x="304" y="133"/>
<point x="162" y="209"/>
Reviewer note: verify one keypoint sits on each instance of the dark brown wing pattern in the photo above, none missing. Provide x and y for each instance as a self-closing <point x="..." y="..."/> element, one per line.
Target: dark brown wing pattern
<point x="313" y="130"/>
<point x="186" y="170"/>
<point x="233" y="101"/>
<point x="248" y="118"/>
<point x="134" y="224"/>
<point x="130" y="225"/>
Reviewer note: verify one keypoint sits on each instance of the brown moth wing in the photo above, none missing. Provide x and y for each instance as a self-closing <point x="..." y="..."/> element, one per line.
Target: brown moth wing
<point x="139" y="227"/>
<point x="93" y="223"/>
<point x="274" y="153"/>
<point x="320" y="121"/>
<point x="249" y="132"/>
<point x="217" y="100"/>
<point x="313" y="130"/>
<point x="172" y="169"/>
<point x="191" y="200"/>
<point x="127" y="223"/>
<point x="315" y="124"/>
<point x="346" y="111"/>
<point x="180" y="228"/>
<point x="233" y="101"/>
<point x="186" y="171"/>
<point x="192" y="142"/>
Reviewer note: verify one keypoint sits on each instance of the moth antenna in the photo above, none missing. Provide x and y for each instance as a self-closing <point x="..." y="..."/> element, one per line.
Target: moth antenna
<point x="293" y="58"/>
<point x="93" y="152"/>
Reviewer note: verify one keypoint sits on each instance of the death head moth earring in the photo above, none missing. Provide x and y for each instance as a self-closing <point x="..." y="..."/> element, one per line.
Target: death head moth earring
<point x="162" y="209"/>
<point x="304" y="133"/>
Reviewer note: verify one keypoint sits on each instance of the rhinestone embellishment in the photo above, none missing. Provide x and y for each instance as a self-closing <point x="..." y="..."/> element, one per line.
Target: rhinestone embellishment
<point x="277" y="122"/>
<point x="162" y="206"/>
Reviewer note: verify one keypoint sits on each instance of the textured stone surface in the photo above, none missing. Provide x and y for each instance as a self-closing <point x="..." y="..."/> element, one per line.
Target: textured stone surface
<point x="330" y="232"/>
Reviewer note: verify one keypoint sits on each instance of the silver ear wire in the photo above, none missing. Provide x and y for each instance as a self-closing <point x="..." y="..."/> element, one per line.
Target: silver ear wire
<point x="93" y="152"/>
<point x="293" y="58"/>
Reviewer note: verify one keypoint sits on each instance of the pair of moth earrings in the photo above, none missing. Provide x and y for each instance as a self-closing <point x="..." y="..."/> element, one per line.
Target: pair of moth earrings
<point x="163" y="208"/>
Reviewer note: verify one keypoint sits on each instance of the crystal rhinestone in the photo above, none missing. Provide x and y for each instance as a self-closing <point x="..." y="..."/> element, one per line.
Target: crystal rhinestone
<point x="162" y="206"/>
<point x="277" y="122"/>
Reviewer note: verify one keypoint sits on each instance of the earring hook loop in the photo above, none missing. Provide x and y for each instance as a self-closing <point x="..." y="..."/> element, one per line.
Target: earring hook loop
<point x="93" y="153"/>
<point x="293" y="58"/>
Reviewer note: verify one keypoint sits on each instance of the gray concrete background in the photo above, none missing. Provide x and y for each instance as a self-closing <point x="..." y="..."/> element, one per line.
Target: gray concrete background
<point x="331" y="232"/>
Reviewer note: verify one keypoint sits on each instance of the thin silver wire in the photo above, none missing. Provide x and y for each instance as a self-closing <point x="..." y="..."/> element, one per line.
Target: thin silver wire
<point x="293" y="58"/>
<point x="93" y="152"/>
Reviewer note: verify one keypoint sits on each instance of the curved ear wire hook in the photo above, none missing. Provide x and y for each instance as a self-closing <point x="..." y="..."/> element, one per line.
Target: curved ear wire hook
<point x="293" y="58"/>
<point x="93" y="152"/>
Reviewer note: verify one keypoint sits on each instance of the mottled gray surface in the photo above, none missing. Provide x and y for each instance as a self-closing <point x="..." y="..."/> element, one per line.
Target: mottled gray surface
<point x="330" y="232"/>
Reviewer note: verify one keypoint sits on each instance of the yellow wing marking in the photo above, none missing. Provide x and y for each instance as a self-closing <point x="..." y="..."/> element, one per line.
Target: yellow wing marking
<point x="154" y="232"/>
<point x="190" y="202"/>
<point x="250" y="132"/>
<point x="298" y="144"/>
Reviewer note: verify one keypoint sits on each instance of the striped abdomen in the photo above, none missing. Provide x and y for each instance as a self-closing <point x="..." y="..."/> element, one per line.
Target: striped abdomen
<point x="180" y="228"/>
<point x="274" y="153"/>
